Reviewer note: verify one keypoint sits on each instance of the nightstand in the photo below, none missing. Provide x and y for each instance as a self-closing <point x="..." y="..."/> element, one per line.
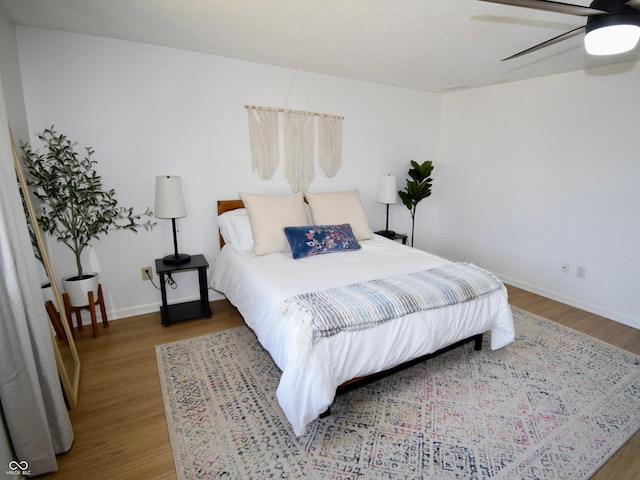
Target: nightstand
<point x="397" y="236"/>
<point x="186" y="310"/>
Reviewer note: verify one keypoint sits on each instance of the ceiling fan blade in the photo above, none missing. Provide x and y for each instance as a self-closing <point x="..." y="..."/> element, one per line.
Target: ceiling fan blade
<point x="551" y="6"/>
<point x="554" y="40"/>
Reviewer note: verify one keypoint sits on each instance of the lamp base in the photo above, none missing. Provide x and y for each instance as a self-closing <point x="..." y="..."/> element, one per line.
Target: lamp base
<point x="176" y="259"/>
<point x="387" y="233"/>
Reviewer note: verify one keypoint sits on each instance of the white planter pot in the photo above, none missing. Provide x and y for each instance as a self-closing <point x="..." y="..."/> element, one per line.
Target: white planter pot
<point x="78" y="290"/>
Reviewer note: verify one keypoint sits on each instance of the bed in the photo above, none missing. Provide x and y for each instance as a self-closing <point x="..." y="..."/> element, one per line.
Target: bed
<point x="261" y="285"/>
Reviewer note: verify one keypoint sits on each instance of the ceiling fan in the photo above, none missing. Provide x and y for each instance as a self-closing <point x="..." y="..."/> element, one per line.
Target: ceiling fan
<point x="613" y="26"/>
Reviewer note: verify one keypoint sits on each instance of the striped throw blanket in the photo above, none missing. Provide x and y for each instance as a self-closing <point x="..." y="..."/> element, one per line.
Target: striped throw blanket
<point x="367" y="304"/>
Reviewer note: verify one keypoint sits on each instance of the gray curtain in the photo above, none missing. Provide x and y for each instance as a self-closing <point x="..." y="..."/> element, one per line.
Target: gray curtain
<point x="30" y="393"/>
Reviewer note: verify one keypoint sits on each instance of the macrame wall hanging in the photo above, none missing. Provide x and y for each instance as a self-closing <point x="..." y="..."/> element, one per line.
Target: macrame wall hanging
<point x="263" y="139"/>
<point x="307" y="138"/>
<point x="329" y="144"/>
<point x="298" y="152"/>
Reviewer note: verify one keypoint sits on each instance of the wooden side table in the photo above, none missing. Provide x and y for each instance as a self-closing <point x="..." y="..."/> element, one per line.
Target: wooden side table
<point x="186" y="310"/>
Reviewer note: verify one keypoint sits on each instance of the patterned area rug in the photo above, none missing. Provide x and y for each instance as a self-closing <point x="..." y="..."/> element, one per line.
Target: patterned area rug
<point x="555" y="404"/>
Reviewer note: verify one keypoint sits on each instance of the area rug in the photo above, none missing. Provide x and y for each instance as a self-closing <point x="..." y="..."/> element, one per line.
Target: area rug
<point x="555" y="404"/>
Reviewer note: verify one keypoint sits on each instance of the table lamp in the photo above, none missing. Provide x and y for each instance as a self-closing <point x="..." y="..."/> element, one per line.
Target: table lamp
<point x="170" y="204"/>
<point x="387" y="193"/>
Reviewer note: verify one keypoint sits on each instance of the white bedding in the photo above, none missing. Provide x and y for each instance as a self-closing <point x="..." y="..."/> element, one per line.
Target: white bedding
<point x="258" y="285"/>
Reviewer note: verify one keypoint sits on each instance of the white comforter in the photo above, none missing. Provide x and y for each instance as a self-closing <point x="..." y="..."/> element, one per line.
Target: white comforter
<point x="258" y="285"/>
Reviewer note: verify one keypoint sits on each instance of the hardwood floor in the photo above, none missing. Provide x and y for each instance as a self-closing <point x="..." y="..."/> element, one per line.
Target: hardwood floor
<point x="119" y="424"/>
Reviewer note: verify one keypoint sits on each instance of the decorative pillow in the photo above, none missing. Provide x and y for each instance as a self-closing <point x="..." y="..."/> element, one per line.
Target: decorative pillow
<point x="268" y="215"/>
<point x="236" y="230"/>
<point x="316" y="239"/>
<point x="335" y="208"/>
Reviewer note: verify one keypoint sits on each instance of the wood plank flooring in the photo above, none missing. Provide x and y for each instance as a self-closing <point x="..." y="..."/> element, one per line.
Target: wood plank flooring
<point x="119" y="424"/>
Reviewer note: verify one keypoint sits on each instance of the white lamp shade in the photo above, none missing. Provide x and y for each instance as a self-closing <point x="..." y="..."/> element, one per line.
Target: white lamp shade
<point x="612" y="39"/>
<point x="169" y="198"/>
<point x="387" y="190"/>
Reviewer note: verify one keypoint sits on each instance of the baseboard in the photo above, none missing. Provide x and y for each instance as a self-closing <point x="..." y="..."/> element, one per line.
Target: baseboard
<point x="615" y="316"/>
<point x="118" y="314"/>
<point x="134" y="311"/>
<point x="142" y="309"/>
<point x="155" y="307"/>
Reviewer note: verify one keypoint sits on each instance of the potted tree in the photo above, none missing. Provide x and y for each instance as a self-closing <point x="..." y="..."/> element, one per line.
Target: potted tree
<point x="75" y="207"/>
<point x="417" y="189"/>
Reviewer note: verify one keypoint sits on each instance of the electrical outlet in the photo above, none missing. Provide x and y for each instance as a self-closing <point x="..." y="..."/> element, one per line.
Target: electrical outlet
<point x="564" y="268"/>
<point x="581" y="271"/>
<point x="146" y="272"/>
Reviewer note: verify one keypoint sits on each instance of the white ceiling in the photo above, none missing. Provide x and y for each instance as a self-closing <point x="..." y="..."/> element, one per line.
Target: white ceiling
<point x="432" y="45"/>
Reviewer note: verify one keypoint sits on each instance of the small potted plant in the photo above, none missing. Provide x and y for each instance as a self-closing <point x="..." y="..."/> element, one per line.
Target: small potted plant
<point x="75" y="207"/>
<point x="417" y="189"/>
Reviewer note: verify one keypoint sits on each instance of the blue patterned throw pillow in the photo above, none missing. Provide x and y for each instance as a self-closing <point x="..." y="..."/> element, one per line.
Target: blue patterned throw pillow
<point x="316" y="239"/>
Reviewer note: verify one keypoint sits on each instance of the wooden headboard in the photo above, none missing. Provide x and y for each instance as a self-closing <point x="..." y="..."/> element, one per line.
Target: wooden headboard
<point x="225" y="206"/>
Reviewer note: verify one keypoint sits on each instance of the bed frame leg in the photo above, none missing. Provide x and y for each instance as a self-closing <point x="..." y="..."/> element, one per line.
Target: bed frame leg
<point x="477" y="345"/>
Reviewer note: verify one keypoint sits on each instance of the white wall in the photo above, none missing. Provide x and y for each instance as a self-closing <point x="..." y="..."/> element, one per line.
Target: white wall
<point x="528" y="174"/>
<point x="535" y="173"/>
<point x="150" y="110"/>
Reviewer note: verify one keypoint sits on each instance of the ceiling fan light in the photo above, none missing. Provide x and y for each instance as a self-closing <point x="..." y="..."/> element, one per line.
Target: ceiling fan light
<point x="612" y="39"/>
<point x="613" y="33"/>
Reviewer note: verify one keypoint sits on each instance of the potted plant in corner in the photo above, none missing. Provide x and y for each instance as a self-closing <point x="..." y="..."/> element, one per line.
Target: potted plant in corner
<point x="417" y="189"/>
<point x="75" y="207"/>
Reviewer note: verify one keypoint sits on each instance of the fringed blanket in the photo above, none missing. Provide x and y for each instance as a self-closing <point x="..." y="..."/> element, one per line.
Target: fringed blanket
<point x="367" y="304"/>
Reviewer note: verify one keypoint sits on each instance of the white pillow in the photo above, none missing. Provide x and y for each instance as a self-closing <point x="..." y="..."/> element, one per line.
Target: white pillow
<point x="236" y="230"/>
<point x="337" y="208"/>
<point x="224" y="225"/>
<point x="268" y="215"/>
<point x="241" y="228"/>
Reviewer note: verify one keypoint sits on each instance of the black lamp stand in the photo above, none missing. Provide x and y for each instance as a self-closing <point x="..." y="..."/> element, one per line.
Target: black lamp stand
<point x="386" y="232"/>
<point x="180" y="258"/>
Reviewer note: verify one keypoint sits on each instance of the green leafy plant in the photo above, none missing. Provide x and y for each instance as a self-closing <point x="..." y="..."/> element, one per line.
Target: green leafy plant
<point x="32" y="232"/>
<point x="75" y="207"/>
<point x="417" y="189"/>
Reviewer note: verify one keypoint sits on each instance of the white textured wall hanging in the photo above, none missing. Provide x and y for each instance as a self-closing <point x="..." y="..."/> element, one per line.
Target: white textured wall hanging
<point x="300" y="151"/>
<point x="329" y="144"/>
<point x="263" y="140"/>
